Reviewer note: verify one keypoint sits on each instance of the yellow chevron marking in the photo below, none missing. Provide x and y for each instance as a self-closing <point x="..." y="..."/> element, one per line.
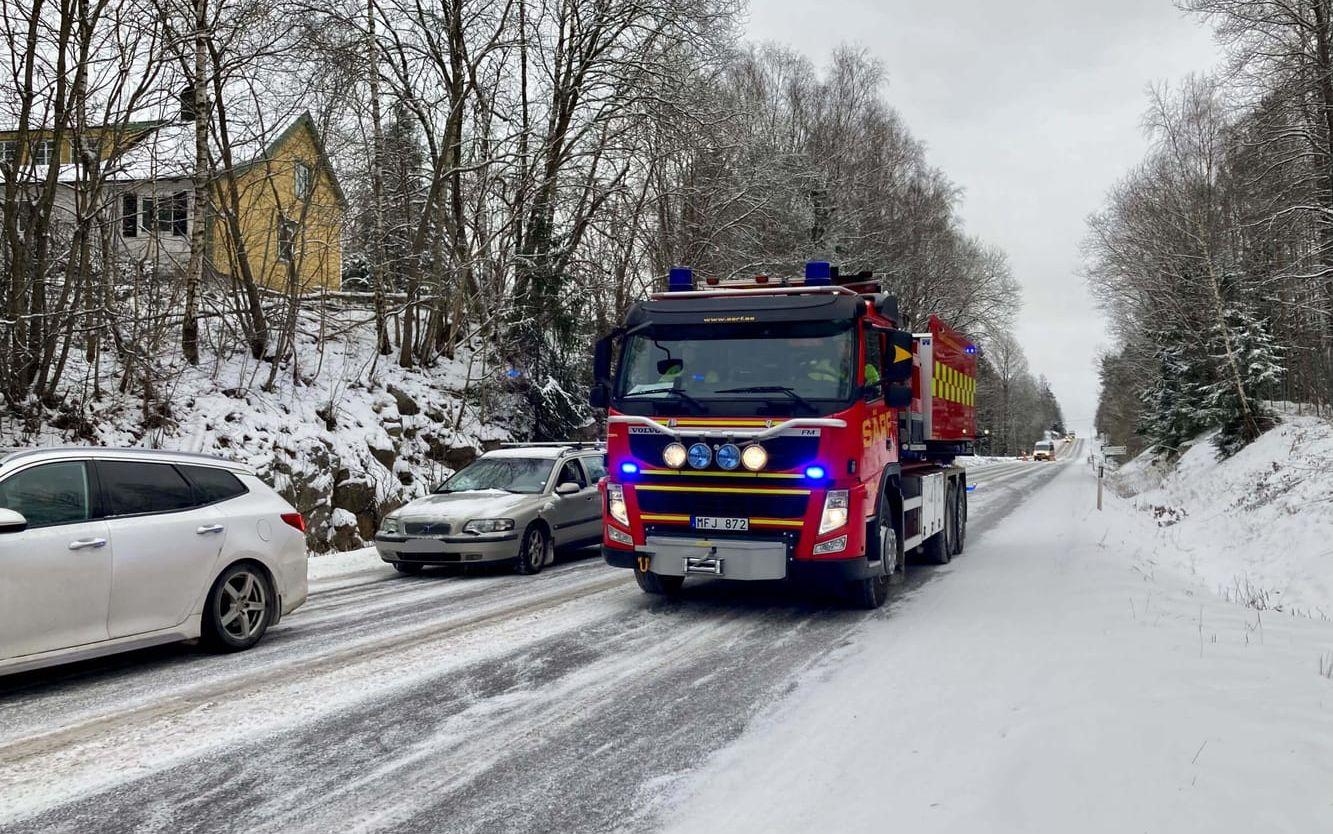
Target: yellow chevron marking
<point x="776" y="522"/>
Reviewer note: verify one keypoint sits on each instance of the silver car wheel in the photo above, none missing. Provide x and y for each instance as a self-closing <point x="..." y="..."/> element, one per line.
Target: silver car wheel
<point x="536" y="551"/>
<point x="244" y="605"/>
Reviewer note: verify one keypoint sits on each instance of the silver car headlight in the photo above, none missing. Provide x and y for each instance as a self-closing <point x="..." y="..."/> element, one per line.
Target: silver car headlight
<point x="489" y="525"/>
<point x="389" y="526"/>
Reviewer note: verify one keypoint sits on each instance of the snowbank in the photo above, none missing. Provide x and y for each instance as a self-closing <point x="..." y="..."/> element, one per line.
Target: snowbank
<point x="342" y="433"/>
<point x="1257" y="527"/>
<point x="1040" y="684"/>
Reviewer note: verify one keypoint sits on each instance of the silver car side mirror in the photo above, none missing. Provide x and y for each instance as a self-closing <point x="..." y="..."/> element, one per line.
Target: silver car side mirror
<point x="12" y="522"/>
<point x="567" y="488"/>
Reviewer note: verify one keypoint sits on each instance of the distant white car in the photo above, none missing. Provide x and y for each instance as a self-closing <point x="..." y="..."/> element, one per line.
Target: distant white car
<point x="1044" y="450"/>
<point x="108" y="550"/>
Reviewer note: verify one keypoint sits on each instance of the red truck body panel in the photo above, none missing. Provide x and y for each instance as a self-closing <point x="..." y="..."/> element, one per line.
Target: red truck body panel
<point x="953" y="414"/>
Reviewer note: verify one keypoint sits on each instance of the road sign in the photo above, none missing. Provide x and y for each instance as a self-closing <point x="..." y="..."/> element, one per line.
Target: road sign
<point x="1113" y="451"/>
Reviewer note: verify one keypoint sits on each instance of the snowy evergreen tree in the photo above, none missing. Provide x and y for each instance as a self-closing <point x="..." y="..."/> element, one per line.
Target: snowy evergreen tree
<point x="1238" y="409"/>
<point x="1174" y="405"/>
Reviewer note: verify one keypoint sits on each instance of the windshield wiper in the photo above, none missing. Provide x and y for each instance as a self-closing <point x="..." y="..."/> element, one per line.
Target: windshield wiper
<point x="773" y="389"/>
<point x="671" y="392"/>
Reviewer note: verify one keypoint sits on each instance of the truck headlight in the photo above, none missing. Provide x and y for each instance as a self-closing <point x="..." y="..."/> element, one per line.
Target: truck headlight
<point x="754" y="457"/>
<point x="489" y="525"/>
<point x="674" y="455"/>
<point x="389" y="526"/>
<point x="835" y="511"/>
<point x="615" y="503"/>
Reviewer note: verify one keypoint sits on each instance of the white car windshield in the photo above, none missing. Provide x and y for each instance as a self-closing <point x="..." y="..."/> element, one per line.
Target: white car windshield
<point x="525" y="475"/>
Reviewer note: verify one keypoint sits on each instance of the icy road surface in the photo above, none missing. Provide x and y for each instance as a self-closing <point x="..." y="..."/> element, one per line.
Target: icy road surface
<point x="567" y="701"/>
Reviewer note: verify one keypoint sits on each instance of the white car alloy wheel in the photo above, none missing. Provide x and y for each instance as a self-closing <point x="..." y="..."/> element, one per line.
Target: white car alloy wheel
<point x="239" y="609"/>
<point x="244" y="606"/>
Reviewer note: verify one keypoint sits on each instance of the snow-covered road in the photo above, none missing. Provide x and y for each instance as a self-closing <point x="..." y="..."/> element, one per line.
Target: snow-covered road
<point x="566" y="701"/>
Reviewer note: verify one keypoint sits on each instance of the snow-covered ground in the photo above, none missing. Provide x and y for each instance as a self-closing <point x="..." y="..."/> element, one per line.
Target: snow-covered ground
<point x="1044" y="682"/>
<point x="343" y="433"/>
<point x="1257" y="527"/>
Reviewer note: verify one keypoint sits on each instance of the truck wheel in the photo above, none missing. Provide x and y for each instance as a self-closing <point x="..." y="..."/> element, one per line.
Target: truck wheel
<point x="658" y="585"/>
<point x="960" y="516"/>
<point x="872" y="592"/>
<point x="939" y="548"/>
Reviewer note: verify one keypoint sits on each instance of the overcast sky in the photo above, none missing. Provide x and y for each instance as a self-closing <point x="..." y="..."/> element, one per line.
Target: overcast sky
<point x="1034" y="108"/>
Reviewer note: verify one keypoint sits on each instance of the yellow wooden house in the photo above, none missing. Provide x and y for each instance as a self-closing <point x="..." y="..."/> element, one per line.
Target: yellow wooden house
<point x="282" y="195"/>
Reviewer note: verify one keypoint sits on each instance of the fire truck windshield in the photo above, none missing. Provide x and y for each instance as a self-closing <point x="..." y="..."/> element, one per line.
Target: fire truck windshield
<point x="785" y="365"/>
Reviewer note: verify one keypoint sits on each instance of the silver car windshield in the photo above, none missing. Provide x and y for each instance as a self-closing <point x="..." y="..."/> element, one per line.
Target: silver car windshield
<point x="524" y="475"/>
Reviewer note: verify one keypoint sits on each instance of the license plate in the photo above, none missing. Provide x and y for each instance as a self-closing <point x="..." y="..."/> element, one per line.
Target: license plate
<point x="705" y="522"/>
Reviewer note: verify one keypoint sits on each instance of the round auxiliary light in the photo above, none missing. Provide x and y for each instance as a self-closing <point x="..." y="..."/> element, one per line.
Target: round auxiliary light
<point x="754" y="457"/>
<point x="700" y="455"/>
<point x="674" y="455"/>
<point x="729" y="456"/>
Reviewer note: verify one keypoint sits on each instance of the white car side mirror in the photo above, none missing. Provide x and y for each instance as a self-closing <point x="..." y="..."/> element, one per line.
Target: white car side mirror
<point x="12" y="522"/>
<point x="567" y="488"/>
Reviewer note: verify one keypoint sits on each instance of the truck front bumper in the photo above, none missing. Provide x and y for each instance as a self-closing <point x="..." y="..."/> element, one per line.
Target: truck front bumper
<point x="736" y="559"/>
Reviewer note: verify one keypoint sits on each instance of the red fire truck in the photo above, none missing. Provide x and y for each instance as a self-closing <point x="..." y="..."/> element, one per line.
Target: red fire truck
<point x="782" y="430"/>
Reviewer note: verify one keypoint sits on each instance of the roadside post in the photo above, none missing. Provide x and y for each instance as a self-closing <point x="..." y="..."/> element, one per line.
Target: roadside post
<point x="1107" y="452"/>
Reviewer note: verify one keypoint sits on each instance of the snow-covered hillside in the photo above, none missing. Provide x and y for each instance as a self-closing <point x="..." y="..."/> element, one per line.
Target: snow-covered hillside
<point x="1256" y="527"/>
<point x="344" y="435"/>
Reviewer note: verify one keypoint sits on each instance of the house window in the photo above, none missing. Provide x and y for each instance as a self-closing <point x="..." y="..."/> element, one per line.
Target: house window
<point x="304" y="179"/>
<point x="9" y="151"/>
<point x="173" y="215"/>
<point x="129" y="215"/>
<point x="43" y="151"/>
<point x="287" y="239"/>
<point x="147" y="214"/>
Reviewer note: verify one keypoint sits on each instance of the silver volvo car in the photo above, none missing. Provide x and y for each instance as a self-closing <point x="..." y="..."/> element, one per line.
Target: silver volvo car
<point x="516" y="504"/>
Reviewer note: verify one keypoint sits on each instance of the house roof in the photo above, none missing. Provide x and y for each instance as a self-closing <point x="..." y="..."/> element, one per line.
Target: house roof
<point x="164" y="150"/>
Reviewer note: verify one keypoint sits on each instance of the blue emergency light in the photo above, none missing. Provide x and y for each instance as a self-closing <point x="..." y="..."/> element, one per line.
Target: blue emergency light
<point x="629" y="468"/>
<point x="818" y="274"/>
<point x="680" y="279"/>
<point x="814" y="473"/>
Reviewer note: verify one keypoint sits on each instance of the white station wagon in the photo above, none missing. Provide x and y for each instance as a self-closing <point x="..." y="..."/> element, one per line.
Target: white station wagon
<point x="107" y="550"/>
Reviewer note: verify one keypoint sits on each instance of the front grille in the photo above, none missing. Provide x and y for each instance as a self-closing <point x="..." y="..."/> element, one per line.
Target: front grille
<point x="427" y="528"/>
<point x="752" y="505"/>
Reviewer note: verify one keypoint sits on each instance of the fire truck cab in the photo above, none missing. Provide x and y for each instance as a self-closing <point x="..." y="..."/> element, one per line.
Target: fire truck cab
<point x="790" y="430"/>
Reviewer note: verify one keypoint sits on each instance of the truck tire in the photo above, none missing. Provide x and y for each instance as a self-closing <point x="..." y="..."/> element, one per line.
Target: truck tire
<point x="960" y="517"/>
<point x="658" y="585"/>
<point x="873" y="591"/>
<point x="939" y="548"/>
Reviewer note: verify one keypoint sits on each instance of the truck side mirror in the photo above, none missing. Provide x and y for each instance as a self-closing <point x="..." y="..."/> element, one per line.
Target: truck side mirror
<point x="897" y="396"/>
<point x="898" y="357"/>
<point x="600" y="395"/>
